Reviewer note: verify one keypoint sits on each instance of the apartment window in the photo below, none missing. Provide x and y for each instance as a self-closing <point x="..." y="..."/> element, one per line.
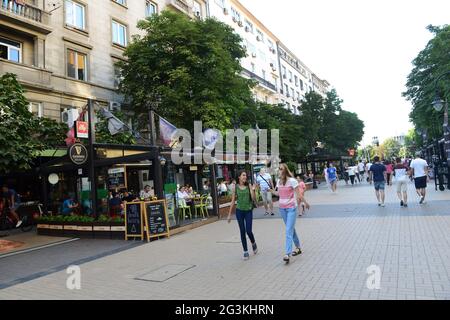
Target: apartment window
<point x="288" y="105"/>
<point x="75" y="15"/>
<point x="122" y="2"/>
<point x="76" y="65"/>
<point x="251" y="49"/>
<point x="290" y="76"/>
<point x="286" y="90"/>
<point x="292" y="93"/>
<point x="284" y="72"/>
<point x="264" y="74"/>
<point x="298" y="95"/>
<point x="119" y="34"/>
<point x="296" y="81"/>
<point x="270" y="44"/>
<point x="197" y="9"/>
<point x="35" y="108"/>
<point x="262" y="56"/>
<point x="260" y="35"/>
<point x="301" y="84"/>
<point x="248" y="26"/>
<point x="10" y="50"/>
<point x="150" y="9"/>
<point x="274" y="81"/>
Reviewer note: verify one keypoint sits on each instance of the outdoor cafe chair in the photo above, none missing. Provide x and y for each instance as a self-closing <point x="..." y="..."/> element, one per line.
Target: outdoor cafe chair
<point x="183" y="208"/>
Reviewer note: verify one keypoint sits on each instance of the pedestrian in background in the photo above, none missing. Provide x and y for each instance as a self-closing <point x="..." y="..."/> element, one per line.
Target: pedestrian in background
<point x="389" y="171"/>
<point x="378" y="176"/>
<point x="290" y="199"/>
<point x="332" y="176"/>
<point x="244" y="193"/>
<point x="419" y="170"/>
<point x="401" y="174"/>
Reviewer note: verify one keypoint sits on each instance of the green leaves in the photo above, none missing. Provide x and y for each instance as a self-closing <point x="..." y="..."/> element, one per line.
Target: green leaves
<point x="22" y="135"/>
<point x="432" y="61"/>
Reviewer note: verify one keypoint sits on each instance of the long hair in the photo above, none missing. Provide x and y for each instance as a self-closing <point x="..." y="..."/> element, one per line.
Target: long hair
<point x="239" y="174"/>
<point x="286" y="173"/>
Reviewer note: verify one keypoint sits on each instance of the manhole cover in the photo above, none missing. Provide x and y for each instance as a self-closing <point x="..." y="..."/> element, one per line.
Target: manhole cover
<point x="164" y="273"/>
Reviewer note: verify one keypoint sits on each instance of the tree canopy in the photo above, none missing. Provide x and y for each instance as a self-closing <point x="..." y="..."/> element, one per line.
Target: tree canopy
<point x="192" y="67"/>
<point x="431" y="62"/>
<point x="22" y="135"/>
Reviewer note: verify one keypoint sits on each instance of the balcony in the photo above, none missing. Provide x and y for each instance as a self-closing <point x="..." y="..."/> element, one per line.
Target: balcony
<point x="180" y="5"/>
<point x="26" y="16"/>
<point x="260" y="80"/>
<point x="28" y="75"/>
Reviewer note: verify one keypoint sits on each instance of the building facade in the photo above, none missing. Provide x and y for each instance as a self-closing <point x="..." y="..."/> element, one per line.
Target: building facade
<point x="64" y="52"/>
<point x="261" y="63"/>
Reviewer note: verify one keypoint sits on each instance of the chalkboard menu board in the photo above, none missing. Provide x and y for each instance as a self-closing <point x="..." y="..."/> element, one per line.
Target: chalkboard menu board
<point x="133" y="220"/>
<point x="116" y="178"/>
<point x="156" y="219"/>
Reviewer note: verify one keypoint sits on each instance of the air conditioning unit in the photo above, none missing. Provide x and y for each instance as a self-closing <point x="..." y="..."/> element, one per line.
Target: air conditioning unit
<point x="225" y="11"/>
<point x="234" y="19"/>
<point x="69" y="116"/>
<point x="114" y="106"/>
<point x="240" y="24"/>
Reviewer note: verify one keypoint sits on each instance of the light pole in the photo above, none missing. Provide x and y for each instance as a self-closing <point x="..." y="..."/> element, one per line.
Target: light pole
<point x="438" y="103"/>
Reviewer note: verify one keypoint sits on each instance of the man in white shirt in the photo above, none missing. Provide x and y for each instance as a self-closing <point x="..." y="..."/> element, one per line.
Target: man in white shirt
<point x="264" y="183"/>
<point x="361" y="170"/>
<point x="419" y="170"/>
<point x="368" y="165"/>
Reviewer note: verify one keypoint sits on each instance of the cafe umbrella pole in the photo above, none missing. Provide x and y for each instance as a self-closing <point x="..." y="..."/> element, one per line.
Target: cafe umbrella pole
<point x="92" y="177"/>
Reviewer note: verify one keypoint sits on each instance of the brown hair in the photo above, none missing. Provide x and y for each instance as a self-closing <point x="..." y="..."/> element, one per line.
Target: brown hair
<point x="287" y="173"/>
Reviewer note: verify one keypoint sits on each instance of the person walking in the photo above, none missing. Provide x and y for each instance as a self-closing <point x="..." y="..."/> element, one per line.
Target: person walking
<point x="325" y="175"/>
<point x="244" y="193"/>
<point x="361" y="170"/>
<point x="290" y="199"/>
<point x="377" y="174"/>
<point x="368" y="165"/>
<point x="302" y="188"/>
<point x="401" y="174"/>
<point x="419" y="170"/>
<point x="332" y="176"/>
<point x="264" y="183"/>
<point x="352" y="174"/>
<point x="389" y="171"/>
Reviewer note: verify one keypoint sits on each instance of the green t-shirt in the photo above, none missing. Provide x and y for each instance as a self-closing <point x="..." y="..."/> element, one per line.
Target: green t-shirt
<point x="244" y="201"/>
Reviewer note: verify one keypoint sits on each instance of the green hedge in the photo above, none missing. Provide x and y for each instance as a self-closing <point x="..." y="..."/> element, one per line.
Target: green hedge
<point x="84" y="219"/>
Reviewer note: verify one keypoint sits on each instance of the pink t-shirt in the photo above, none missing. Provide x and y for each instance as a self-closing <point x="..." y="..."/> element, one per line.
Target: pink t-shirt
<point x="389" y="168"/>
<point x="287" y="194"/>
<point x="302" y="187"/>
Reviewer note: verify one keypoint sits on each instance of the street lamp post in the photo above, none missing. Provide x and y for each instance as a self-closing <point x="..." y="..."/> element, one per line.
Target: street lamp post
<point x="438" y="104"/>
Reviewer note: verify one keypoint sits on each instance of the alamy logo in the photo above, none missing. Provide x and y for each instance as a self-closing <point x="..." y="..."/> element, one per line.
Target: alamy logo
<point x="74" y="280"/>
<point x="374" y="279"/>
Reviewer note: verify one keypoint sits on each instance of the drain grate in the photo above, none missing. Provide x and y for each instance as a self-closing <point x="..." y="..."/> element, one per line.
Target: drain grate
<point x="164" y="273"/>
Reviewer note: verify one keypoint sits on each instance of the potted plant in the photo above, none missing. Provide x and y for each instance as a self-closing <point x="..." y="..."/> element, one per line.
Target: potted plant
<point x="102" y="227"/>
<point x="117" y="224"/>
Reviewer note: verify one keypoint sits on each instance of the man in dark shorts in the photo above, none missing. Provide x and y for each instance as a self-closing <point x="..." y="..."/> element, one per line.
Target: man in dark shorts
<point x="377" y="174"/>
<point x="419" y="170"/>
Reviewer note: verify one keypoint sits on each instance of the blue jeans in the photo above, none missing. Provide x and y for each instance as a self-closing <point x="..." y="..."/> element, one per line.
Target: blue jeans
<point x="289" y="216"/>
<point x="245" y="221"/>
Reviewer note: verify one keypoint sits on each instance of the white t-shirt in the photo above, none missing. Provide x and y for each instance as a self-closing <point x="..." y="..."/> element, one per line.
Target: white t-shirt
<point x="368" y="165"/>
<point x="361" y="167"/>
<point x="351" y="171"/>
<point x="419" y="166"/>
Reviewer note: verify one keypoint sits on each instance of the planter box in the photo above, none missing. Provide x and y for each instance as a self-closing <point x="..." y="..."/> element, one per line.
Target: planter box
<point x="71" y="230"/>
<point x="50" y="229"/>
<point x="102" y="230"/>
<point x="117" y="231"/>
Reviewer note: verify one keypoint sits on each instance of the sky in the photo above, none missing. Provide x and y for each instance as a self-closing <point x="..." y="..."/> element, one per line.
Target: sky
<point x="363" y="48"/>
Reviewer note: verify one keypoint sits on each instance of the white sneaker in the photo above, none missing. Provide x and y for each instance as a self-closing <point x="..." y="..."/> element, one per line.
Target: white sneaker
<point x="19" y="223"/>
<point x="383" y="205"/>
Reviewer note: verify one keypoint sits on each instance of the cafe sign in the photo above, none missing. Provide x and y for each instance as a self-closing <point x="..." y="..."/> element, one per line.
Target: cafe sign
<point x="78" y="154"/>
<point x="82" y="129"/>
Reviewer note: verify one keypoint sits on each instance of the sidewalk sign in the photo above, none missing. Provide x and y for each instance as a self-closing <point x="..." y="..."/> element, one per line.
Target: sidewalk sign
<point x="156" y="219"/>
<point x="133" y="220"/>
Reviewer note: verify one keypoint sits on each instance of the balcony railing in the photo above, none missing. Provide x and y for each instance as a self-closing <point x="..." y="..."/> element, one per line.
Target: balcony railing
<point x="24" y="10"/>
<point x="262" y="81"/>
<point x="180" y="5"/>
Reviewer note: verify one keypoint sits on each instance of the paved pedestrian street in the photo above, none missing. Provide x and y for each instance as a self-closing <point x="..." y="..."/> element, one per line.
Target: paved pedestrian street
<point x="342" y="236"/>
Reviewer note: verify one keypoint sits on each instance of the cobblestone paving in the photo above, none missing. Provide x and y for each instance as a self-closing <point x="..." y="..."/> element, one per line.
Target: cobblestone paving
<point x="341" y="238"/>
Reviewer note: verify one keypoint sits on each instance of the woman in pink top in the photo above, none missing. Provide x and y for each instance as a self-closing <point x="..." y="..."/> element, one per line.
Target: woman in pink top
<point x="290" y="198"/>
<point x="389" y="170"/>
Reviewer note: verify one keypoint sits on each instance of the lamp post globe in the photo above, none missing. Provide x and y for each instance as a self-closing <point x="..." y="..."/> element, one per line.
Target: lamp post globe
<point x="438" y="103"/>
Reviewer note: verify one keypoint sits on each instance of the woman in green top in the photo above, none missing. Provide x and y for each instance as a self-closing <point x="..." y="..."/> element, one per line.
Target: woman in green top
<point x="245" y="194"/>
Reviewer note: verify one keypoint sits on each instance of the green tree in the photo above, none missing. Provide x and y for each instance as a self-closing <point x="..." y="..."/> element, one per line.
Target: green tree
<point x="428" y="65"/>
<point x="102" y="134"/>
<point x="191" y="66"/>
<point x="391" y="148"/>
<point x="312" y="109"/>
<point x="23" y="136"/>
